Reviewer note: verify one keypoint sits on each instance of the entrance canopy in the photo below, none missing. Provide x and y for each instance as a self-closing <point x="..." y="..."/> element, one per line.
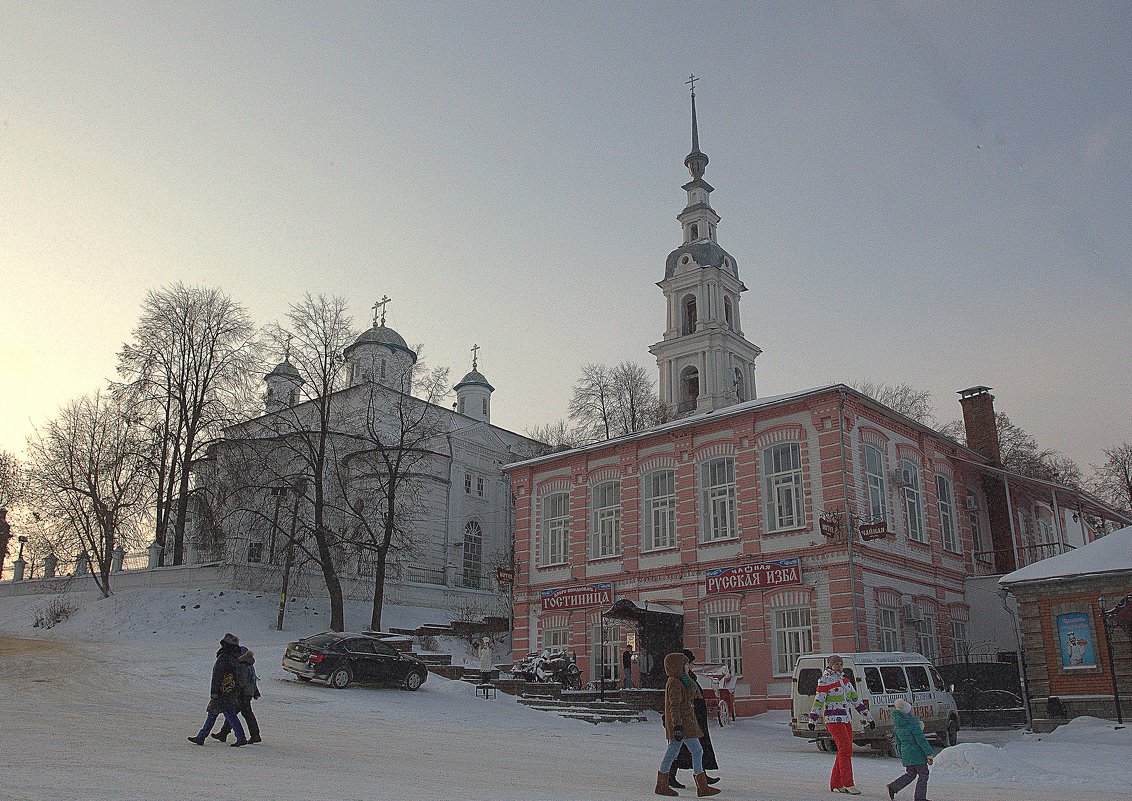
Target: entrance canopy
<point x="661" y="631"/>
<point x="625" y="609"/>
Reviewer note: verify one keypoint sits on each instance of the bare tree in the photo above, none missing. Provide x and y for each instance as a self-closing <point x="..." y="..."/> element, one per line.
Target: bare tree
<point x="1112" y="480"/>
<point x="397" y="452"/>
<point x="89" y="477"/>
<point x="613" y="401"/>
<point x="303" y="439"/>
<point x="187" y="372"/>
<point x="1020" y="452"/>
<point x="12" y="488"/>
<point x="558" y="435"/>
<point x="910" y="401"/>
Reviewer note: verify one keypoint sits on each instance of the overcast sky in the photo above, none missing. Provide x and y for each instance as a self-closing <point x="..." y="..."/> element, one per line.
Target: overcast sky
<point x="924" y="192"/>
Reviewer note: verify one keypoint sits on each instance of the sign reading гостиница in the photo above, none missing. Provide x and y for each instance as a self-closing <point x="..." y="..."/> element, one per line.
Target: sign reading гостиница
<point x="577" y="597"/>
<point x="755" y="576"/>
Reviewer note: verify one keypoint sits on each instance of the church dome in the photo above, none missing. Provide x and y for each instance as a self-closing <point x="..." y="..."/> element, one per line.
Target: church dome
<point x="472" y="378"/>
<point x="381" y="335"/>
<point x="284" y="370"/>
<point x="704" y="254"/>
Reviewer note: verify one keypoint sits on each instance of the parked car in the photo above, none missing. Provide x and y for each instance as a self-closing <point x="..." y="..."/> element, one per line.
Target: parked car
<point x="340" y="658"/>
<point x="880" y="678"/>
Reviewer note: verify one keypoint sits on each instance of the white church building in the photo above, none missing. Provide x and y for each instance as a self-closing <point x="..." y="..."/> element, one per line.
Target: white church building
<point x="256" y="494"/>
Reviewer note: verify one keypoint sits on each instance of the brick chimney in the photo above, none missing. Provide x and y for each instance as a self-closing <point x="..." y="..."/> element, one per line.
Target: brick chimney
<point x="982" y="436"/>
<point x="979" y="422"/>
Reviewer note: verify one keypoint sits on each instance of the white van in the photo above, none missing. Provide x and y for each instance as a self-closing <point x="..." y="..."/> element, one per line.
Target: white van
<point x="880" y="678"/>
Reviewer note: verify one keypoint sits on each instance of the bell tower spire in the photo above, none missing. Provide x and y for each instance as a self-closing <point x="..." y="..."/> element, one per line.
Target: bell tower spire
<point x="705" y="361"/>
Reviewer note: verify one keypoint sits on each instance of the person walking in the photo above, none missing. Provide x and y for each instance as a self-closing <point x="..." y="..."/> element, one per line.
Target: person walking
<point x="680" y="727"/>
<point x="225" y="698"/>
<point x="915" y="751"/>
<point x="248" y="684"/>
<point x="699" y="706"/>
<point x="835" y="693"/>
<point x="627" y="669"/>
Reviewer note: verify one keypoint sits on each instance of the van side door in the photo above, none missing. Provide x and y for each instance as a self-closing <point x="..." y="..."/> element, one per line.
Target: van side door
<point x="924" y="697"/>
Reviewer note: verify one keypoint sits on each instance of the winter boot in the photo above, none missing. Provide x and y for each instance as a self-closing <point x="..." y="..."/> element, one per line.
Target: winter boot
<point x="238" y="743"/>
<point x="672" y="781"/>
<point x="196" y="740"/>
<point x="218" y="736"/>
<point x="255" y="738"/>
<point x="703" y="788"/>
<point x="662" y="787"/>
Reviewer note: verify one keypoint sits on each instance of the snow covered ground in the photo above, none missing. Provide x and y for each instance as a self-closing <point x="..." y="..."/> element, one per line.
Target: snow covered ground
<point x="99" y="707"/>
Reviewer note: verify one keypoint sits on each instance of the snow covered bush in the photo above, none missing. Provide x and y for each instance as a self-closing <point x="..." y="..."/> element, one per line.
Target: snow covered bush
<point x="56" y="612"/>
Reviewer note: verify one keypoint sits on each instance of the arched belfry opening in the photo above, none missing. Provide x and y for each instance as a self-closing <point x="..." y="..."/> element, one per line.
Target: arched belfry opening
<point x="689" y="389"/>
<point x="688" y="315"/>
<point x="740" y="389"/>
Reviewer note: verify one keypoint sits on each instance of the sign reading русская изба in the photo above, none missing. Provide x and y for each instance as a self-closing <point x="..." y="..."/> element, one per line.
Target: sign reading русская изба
<point x="578" y="597"/>
<point x="756" y="576"/>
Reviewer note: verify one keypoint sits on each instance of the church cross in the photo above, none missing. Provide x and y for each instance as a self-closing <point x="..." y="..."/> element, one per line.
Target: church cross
<point x="380" y="304"/>
<point x="475" y="356"/>
<point x="692" y="82"/>
<point x="287" y="348"/>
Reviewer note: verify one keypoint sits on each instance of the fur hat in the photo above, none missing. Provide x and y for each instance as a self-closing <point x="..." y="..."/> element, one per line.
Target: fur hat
<point x="230" y="639"/>
<point x="903" y="706"/>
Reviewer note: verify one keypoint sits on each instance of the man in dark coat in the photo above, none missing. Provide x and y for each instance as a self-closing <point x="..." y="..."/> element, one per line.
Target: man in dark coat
<point x="225" y="697"/>
<point x="699" y="706"/>
<point x="247" y="684"/>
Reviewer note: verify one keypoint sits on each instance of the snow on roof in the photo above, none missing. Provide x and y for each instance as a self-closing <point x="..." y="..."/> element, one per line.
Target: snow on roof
<point x="1109" y="554"/>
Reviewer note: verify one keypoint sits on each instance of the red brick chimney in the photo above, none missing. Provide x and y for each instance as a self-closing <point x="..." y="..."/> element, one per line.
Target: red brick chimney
<point x="979" y="422"/>
<point x="982" y="436"/>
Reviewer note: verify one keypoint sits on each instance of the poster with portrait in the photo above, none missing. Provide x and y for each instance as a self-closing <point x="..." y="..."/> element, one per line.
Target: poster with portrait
<point x="1075" y="631"/>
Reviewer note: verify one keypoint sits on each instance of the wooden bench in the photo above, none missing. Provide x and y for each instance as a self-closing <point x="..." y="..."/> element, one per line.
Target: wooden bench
<point x="487" y="690"/>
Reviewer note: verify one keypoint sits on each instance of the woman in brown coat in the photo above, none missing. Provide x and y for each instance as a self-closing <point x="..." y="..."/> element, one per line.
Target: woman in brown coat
<point x="681" y="727"/>
<point x="699" y="706"/>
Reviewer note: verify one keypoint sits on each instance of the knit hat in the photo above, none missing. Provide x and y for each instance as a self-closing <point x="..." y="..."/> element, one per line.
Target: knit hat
<point x="230" y="639"/>
<point x="903" y="706"/>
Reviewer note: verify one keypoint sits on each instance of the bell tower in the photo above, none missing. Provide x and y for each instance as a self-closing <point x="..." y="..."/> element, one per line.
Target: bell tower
<point x="705" y="361"/>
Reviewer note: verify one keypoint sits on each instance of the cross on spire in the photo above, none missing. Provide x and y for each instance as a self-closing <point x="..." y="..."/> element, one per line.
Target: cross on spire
<point x="287" y="347"/>
<point x="475" y="356"/>
<point x="381" y="303"/>
<point x="692" y="82"/>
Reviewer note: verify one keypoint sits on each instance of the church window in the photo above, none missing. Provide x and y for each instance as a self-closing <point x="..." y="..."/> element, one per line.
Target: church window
<point x="467" y="483"/>
<point x="727" y="312"/>
<point x="485" y="407"/>
<point x="605" y="535"/>
<point x="555" y="528"/>
<point x="740" y="390"/>
<point x="473" y="555"/>
<point x="689" y="309"/>
<point x="479" y="486"/>
<point x="782" y="467"/>
<point x="695" y="232"/>
<point x="255" y="552"/>
<point x="461" y="409"/>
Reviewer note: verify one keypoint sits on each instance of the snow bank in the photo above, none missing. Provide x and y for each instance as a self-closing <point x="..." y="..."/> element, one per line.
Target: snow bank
<point x="1085" y="729"/>
<point x="979" y="761"/>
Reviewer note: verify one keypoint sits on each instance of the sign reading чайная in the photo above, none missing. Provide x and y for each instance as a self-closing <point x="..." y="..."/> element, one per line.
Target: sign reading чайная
<point x="756" y="576"/>
<point x="578" y="597"/>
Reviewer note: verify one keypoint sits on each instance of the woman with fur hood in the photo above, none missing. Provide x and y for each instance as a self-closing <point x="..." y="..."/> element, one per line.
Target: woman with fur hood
<point x="225" y="695"/>
<point x="681" y="727"/>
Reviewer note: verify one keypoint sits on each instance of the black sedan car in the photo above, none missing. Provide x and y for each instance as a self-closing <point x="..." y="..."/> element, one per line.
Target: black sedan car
<point x="339" y="658"/>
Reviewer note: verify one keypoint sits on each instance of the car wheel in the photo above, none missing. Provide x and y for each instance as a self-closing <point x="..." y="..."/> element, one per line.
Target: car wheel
<point x="952" y="732"/>
<point x="414" y="681"/>
<point x="340" y="678"/>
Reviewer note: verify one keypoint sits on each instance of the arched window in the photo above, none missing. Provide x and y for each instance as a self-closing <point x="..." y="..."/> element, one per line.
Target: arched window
<point x="727" y="315"/>
<point x="689" y="389"/>
<point x="740" y="389"/>
<point x="782" y="468"/>
<point x="473" y="555"/>
<point x="658" y="491"/>
<point x="913" y="500"/>
<point x="555" y="528"/>
<point x="717" y="484"/>
<point x="695" y="232"/>
<point x="946" y="504"/>
<point x="875" y="484"/>
<point x="688" y="306"/>
<point x="605" y="531"/>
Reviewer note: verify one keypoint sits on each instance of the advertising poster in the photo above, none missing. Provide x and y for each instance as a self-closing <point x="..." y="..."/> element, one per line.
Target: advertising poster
<point x="1075" y="631"/>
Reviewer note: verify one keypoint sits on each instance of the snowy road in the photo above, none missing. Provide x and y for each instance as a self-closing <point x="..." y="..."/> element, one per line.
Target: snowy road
<point x="107" y="719"/>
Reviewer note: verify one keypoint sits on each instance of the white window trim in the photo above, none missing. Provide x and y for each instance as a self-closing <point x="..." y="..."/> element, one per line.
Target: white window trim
<point x="561" y="523"/>
<point x="876" y="487"/>
<point x="913" y="495"/>
<point x="775" y="482"/>
<point x="945" y="501"/>
<point x="652" y="505"/>
<point x="719" y="503"/>
<point x="785" y="656"/>
<point x="605" y="523"/>
<point x="725" y="646"/>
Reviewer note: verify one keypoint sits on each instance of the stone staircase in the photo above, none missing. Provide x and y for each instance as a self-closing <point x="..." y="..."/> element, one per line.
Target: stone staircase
<point x="595" y="711"/>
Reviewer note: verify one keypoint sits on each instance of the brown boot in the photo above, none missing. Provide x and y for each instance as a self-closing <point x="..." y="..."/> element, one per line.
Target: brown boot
<point x="662" y="787"/>
<point x="702" y="787"/>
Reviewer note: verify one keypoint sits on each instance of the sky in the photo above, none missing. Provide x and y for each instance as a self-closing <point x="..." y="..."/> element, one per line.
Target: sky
<point x="930" y="193"/>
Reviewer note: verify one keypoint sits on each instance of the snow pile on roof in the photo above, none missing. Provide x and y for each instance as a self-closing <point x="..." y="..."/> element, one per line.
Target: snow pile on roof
<point x="1106" y="555"/>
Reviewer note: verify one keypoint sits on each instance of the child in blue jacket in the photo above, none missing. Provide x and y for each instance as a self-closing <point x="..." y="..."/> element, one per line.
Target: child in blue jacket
<point x="915" y="751"/>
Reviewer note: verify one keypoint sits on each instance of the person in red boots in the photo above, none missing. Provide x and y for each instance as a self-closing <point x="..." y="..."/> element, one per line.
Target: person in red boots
<point x="681" y="727"/>
<point x="834" y="696"/>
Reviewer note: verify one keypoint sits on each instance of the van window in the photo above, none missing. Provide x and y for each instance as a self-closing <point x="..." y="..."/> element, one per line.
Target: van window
<point x="808" y="681"/>
<point x="872" y="679"/>
<point x="848" y="673"/>
<point x="894" y="681"/>
<point x="940" y="684"/>
<point x="918" y="678"/>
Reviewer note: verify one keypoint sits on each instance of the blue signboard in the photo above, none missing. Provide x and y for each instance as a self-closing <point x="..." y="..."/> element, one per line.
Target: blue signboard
<point x="1075" y="631"/>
